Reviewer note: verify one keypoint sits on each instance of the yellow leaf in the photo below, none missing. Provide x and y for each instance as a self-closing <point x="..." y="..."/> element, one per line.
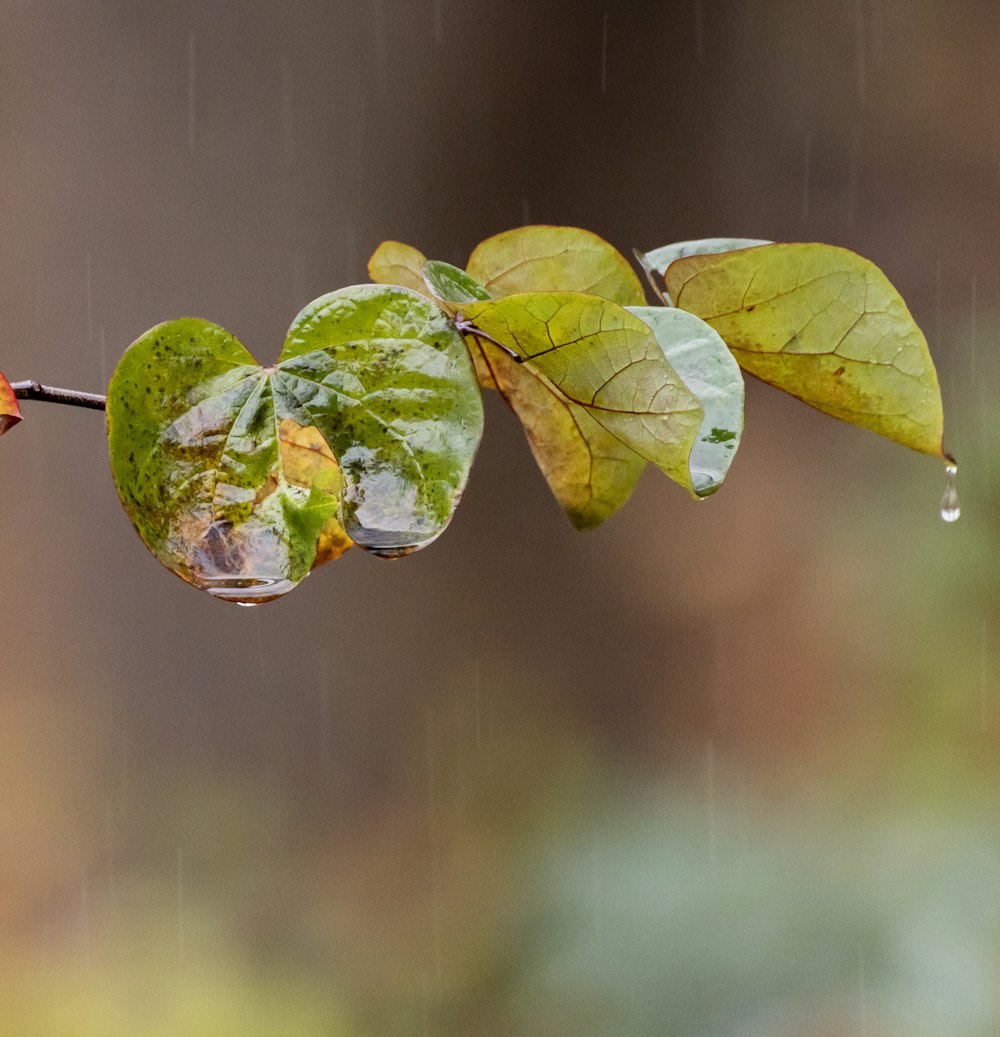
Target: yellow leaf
<point x="554" y="259"/>
<point x="590" y="472"/>
<point x="605" y="360"/>
<point x="395" y="263"/>
<point x="825" y="325"/>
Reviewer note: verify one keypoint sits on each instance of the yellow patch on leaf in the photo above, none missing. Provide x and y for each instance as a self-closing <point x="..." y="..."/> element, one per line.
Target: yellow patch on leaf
<point x="306" y="456"/>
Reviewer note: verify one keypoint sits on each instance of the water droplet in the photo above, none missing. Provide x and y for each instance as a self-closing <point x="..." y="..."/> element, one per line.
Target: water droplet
<point x="245" y="591"/>
<point x="950" y="508"/>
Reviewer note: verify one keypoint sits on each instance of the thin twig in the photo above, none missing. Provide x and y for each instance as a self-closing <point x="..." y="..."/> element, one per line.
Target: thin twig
<point x="467" y="327"/>
<point x="48" y="394"/>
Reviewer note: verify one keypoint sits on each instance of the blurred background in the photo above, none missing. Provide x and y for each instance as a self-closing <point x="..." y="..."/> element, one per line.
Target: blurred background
<point x="722" y="769"/>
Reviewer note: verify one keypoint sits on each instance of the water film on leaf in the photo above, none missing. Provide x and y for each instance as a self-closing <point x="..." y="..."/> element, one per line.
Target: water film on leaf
<point x="241" y="479"/>
<point x="388" y="380"/>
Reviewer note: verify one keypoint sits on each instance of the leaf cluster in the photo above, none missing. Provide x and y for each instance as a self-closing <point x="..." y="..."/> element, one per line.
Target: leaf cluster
<point x="241" y="479"/>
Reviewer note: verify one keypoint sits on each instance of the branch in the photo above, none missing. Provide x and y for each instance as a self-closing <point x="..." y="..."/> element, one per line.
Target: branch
<point x="48" y="394"/>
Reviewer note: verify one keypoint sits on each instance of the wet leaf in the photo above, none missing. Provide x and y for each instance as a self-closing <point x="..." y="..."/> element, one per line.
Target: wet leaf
<point x="554" y="259"/>
<point x="194" y="452"/>
<point x="655" y="263"/>
<point x="398" y="402"/>
<point x="241" y="478"/>
<point x="825" y="325"/>
<point x="395" y="263"/>
<point x="451" y="286"/>
<point x="708" y="369"/>
<point x="590" y="471"/>
<point x="10" y="410"/>
<point x="604" y="359"/>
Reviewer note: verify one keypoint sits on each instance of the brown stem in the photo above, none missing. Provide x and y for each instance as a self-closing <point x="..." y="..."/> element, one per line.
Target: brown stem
<point x="48" y="394"/>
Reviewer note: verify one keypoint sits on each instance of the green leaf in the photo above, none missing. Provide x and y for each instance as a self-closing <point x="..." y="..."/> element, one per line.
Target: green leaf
<point x="398" y="402"/>
<point x="708" y="369"/>
<point x="605" y="360"/>
<point x="451" y="286"/>
<point x="590" y="471"/>
<point x="10" y="410"/>
<point x="234" y="474"/>
<point x="825" y="325"/>
<point x="655" y="263"/>
<point x="554" y="259"/>
<point x="395" y="263"/>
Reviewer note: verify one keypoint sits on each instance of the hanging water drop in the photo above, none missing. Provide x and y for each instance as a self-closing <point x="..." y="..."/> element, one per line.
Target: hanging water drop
<point x="950" y="508"/>
<point x="244" y="590"/>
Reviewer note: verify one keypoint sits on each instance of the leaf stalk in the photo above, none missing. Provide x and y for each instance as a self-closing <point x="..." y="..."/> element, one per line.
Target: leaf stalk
<point x="467" y="327"/>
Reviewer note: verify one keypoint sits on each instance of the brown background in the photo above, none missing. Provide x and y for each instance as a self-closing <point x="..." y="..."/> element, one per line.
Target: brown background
<point x="718" y="768"/>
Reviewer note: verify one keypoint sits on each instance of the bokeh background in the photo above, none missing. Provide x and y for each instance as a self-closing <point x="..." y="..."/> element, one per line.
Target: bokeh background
<point x="713" y="770"/>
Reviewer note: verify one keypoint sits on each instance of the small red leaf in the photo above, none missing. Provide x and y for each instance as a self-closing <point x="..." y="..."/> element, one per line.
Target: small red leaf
<point x="10" y="412"/>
